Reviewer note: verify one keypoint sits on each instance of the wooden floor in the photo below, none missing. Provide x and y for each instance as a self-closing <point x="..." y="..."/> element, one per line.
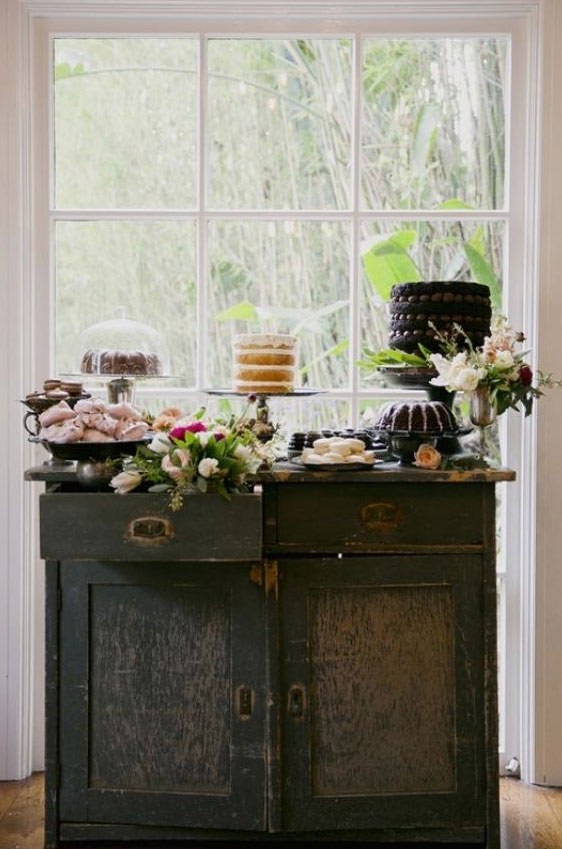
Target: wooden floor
<point x="531" y="817"/>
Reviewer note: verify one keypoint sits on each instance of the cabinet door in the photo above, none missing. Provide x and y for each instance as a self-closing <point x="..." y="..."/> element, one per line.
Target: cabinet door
<point x="162" y="695"/>
<point x="382" y="693"/>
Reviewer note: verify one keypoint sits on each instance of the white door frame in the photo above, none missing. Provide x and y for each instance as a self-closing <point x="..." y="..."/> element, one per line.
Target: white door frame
<point x="540" y="746"/>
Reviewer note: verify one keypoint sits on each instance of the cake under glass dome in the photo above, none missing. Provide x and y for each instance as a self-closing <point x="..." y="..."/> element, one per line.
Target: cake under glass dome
<point x="123" y="347"/>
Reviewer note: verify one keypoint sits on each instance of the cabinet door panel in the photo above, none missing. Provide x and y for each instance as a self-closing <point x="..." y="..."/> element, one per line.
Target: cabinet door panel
<point x="383" y="722"/>
<point x="154" y="729"/>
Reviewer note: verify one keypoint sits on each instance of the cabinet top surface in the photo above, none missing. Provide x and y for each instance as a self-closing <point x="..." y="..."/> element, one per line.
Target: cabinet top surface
<point x="287" y="473"/>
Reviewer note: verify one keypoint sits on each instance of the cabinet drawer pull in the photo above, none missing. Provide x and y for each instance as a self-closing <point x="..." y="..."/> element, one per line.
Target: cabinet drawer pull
<point x="381" y="517"/>
<point x="149" y="530"/>
<point x="297" y="700"/>
<point x="244" y="702"/>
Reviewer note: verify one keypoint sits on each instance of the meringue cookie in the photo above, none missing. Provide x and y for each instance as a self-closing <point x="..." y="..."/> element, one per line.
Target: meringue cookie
<point x="123" y="410"/>
<point x="136" y="431"/>
<point x="57" y="413"/>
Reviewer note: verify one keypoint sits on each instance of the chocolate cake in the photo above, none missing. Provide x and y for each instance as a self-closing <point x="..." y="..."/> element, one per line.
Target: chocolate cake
<point x="430" y="417"/>
<point x="415" y="306"/>
<point x="120" y="362"/>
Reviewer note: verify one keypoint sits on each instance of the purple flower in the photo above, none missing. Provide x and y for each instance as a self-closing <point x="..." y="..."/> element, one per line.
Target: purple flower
<point x="218" y="435"/>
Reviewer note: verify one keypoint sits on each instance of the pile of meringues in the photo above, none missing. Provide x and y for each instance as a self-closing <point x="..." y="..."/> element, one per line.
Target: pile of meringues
<point x="335" y="449"/>
<point x="92" y="420"/>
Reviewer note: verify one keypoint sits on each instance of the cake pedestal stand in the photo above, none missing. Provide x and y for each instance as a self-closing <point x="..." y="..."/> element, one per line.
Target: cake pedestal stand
<point x="121" y="387"/>
<point x="262" y="405"/>
<point x="418" y="377"/>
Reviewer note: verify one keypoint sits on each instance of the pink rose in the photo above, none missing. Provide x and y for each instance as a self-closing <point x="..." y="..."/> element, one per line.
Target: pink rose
<point x="526" y="375"/>
<point x="179" y="431"/>
<point x="427" y="457"/>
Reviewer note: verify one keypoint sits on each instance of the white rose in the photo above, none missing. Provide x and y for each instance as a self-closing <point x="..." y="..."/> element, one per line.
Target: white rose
<point x="504" y="359"/>
<point x="242" y="452"/>
<point x="160" y="444"/>
<point x="467" y="380"/>
<point x="203" y="436"/>
<point x="171" y="468"/>
<point x="207" y="467"/>
<point x="125" y="481"/>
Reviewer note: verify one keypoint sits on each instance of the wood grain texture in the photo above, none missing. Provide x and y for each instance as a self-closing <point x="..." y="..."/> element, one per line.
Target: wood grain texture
<point x="531" y="817"/>
<point x="382" y="694"/>
<point x="98" y="526"/>
<point x="22" y="827"/>
<point x="369" y="517"/>
<point x="8" y="792"/>
<point x="160" y="688"/>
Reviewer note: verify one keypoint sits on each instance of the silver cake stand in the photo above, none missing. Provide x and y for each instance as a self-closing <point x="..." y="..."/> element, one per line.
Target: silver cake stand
<point x="121" y="387"/>
<point x="262" y="398"/>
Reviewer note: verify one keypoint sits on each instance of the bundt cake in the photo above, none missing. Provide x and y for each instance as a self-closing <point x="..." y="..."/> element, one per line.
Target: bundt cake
<point x="121" y="362"/>
<point x="416" y="417"/>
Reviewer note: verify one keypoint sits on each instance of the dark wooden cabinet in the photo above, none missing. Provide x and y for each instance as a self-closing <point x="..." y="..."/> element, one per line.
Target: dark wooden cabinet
<point x="382" y="674"/>
<point x="338" y="686"/>
<point x="162" y="695"/>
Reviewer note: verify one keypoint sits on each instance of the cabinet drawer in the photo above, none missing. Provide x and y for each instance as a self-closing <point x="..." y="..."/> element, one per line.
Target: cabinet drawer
<point x="105" y="526"/>
<point x="372" y="517"/>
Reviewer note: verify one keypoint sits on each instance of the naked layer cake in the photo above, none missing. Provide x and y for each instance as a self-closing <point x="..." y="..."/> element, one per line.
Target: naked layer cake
<point x="264" y="362"/>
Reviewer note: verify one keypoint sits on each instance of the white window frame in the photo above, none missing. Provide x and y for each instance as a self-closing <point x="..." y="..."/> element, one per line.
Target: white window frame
<point x="40" y="19"/>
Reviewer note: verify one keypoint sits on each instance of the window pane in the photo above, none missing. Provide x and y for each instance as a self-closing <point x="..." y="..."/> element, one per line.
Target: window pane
<point x="148" y="267"/>
<point x="281" y="277"/>
<point x="126" y="122"/>
<point x="434" y="122"/>
<point x="279" y="114"/>
<point x="401" y="252"/>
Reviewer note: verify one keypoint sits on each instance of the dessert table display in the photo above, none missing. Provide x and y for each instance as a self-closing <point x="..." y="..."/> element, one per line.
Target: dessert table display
<point x="313" y="660"/>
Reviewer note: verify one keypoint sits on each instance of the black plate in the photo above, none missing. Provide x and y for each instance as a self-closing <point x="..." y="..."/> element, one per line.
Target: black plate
<point x="407" y="377"/>
<point x="90" y="450"/>
<point x="335" y="467"/>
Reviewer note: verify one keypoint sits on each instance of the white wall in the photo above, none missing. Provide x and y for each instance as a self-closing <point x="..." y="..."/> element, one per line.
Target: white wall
<point x="548" y="708"/>
<point x="15" y="588"/>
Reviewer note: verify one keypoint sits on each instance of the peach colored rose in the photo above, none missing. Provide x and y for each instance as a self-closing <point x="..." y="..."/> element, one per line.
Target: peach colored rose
<point x="427" y="457"/>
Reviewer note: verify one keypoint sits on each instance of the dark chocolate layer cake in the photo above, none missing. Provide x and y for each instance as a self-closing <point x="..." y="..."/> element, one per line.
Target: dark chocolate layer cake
<point x="415" y="306"/>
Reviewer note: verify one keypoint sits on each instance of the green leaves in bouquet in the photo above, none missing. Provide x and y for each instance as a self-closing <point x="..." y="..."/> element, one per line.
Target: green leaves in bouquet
<point x="373" y="360"/>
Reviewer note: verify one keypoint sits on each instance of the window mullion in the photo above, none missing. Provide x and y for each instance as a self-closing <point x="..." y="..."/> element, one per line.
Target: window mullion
<point x="355" y="270"/>
<point x="202" y="228"/>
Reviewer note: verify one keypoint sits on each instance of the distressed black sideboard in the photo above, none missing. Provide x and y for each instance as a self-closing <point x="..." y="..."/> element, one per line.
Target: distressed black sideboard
<point x="315" y="661"/>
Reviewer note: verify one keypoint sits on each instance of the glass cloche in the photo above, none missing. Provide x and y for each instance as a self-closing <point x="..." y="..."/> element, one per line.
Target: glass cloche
<point x="122" y="347"/>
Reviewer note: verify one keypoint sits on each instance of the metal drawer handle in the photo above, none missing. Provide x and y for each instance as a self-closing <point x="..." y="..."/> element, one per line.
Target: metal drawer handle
<point x="149" y="530"/>
<point x="381" y="517"/>
<point x="296" y="701"/>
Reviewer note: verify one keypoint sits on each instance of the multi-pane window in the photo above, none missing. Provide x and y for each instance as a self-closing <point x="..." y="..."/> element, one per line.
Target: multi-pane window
<point x="217" y="185"/>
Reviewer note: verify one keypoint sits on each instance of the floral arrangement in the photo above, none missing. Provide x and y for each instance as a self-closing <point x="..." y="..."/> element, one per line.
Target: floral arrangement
<point x="191" y="453"/>
<point x="499" y="366"/>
